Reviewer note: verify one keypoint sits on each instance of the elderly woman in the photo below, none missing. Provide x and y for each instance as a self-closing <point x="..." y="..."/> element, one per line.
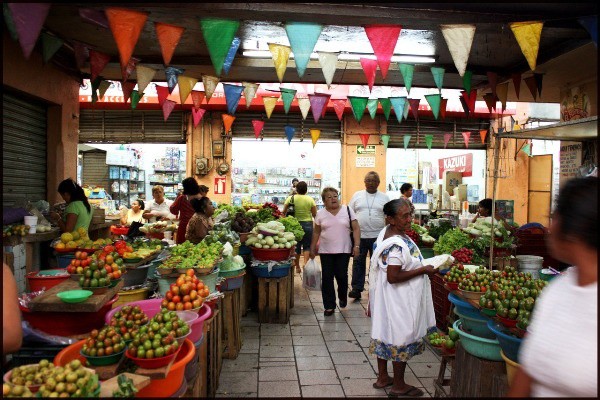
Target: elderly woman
<point x="567" y="310"/>
<point x="158" y="209"/>
<point x="333" y="226"/>
<point x="400" y="302"/>
<point x="135" y="214"/>
<point x="201" y="223"/>
<point x="182" y="207"/>
<point x="78" y="213"/>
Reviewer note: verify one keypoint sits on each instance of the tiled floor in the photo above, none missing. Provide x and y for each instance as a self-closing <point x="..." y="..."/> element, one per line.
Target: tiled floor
<point x="314" y="355"/>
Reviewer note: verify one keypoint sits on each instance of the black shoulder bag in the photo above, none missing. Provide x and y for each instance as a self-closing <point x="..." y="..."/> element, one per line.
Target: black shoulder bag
<point x="291" y="211"/>
<point x="351" y="234"/>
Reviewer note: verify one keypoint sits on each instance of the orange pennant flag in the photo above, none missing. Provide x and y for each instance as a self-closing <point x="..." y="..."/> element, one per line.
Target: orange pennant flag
<point x="483" y="134"/>
<point x="126" y="26"/>
<point x="227" y="122"/>
<point x="168" y="38"/>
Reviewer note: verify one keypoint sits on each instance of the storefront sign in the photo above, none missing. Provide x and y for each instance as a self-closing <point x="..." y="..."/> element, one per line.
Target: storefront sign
<point x="570" y="160"/>
<point x="365" y="162"/>
<point x="462" y="163"/>
<point x="360" y="149"/>
<point x="220" y="183"/>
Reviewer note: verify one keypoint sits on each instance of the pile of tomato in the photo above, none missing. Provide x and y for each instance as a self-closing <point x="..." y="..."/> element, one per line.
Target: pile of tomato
<point x="187" y="293"/>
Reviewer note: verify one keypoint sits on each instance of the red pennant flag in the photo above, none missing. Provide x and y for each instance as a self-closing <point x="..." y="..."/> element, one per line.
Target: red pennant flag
<point x="532" y="85"/>
<point x="168" y="38"/>
<point x="82" y="52"/>
<point x="227" y="121"/>
<point x="493" y="79"/>
<point x="516" y="78"/>
<point x="167" y="107"/>
<point x="126" y="26"/>
<point x="414" y="107"/>
<point x="490" y="101"/>
<point x="370" y="68"/>
<point x="447" y="137"/>
<point x="465" y="106"/>
<point x="470" y="99"/>
<point x="197" y="114"/>
<point x="443" y="104"/>
<point x="258" y="127"/>
<point x="383" y="39"/>
<point x="163" y="93"/>
<point x="339" y="106"/>
<point x="483" y="134"/>
<point x="129" y="68"/>
<point x="28" y="19"/>
<point x="466" y="136"/>
<point x="365" y="139"/>
<point x="98" y="61"/>
<point x="127" y="89"/>
<point x="197" y="97"/>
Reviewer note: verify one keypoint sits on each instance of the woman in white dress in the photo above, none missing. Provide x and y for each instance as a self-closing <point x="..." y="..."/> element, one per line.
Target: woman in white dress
<point x="400" y="302"/>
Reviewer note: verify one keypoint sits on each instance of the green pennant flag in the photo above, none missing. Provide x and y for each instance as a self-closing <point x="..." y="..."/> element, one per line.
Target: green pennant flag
<point x="218" y="35"/>
<point x="50" y="45"/>
<point x="386" y="140"/>
<point x="527" y="149"/>
<point x="407" y="71"/>
<point x="467" y="81"/>
<point x="406" y="140"/>
<point x="434" y="101"/>
<point x="287" y="95"/>
<point x="429" y="141"/>
<point x="358" y="106"/>
<point x="135" y="99"/>
<point x="438" y="76"/>
<point x="386" y="104"/>
<point x="372" y="107"/>
<point x="10" y="24"/>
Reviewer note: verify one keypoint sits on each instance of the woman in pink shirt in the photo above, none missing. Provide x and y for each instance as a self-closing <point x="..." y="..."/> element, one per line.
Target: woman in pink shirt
<point x="334" y="226"/>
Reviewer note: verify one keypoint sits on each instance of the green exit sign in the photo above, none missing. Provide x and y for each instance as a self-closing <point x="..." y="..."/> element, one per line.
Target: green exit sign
<point x="360" y="149"/>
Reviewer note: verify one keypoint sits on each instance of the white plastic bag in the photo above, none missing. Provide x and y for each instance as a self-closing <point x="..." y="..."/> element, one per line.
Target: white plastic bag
<point x="311" y="276"/>
<point x="442" y="261"/>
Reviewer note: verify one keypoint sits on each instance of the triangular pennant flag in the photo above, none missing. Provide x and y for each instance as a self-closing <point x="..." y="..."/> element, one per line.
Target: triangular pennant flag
<point x="210" y="85"/>
<point x="10" y="24"/>
<point x="167" y="107"/>
<point x="467" y="81"/>
<point x="235" y="44"/>
<point x="434" y="101"/>
<point x="406" y="107"/>
<point x="218" y="35"/>
<point x="172" y="75"/>
<point x="447" y="137"/>
<point x="96" y="17"/>
<point x="470" y="99"/>
<point x="590" y="24"/>
<point x="128" y="69"/>
<point x="135" y="99"/>
<point x="126" y="26"/>
<point x="303" y="37"/>
<point x="398" y="104"/>
<point x="98" y="61"/>
<point x="459" y="38"/>
<point x="516" y="78"/>
<point x="512" y="123"/>
<point x="197" y="114"/>
<point x="372" y="107"/>
<point x="82" y="53"/>
<point x="532" y="85"/>
<point x="50" y="45"/>
<point x="144" y="77"/>
<point x="186" y="84"/>
<point x="168" y="39"/>
<point x="538" y="82"/>
<point x="383" y="39"/>
<point x="407" y="71"/>
<point x="483" y="134"/>
<point x="443" y="104"/>
<point x="429" y="141"/>
<point x="314" y="135"/>
<point x="317" y="104"/>
<point x="249" y="92"/>
<point x="197" y="97"/>
<point x="502" y="94"/>
<point x="304" y="104"/>
<point x="517" y="127"/>
<point x="162" y="93"/>
<point x="328" y="63"/>
<point x="364" y="138"/>
<point x="102" y="88"/>
<point x="414" y="107"/>
<point x="385" y="139"/>
<point x="406" y="140"/>
<point x="127" y="89"/>
<point x="28" y="20"/>
<point x="369" y="67"/>
<point x="466" y="136"/>
<point x="465" y="106"/>
<point x="95" y="86"/>
<point x="227" y="122"/>
<point x="289" y="133"/>
<point x="528" y="36"/>
<point x="438" y="76"/>
<point x="490" y="101"/>
<point x="386" y="105"/>
<point x="281" y="55"/>
<point x="493" y="80"/>
<point x="258" y="127"/>
<point x="527" y="149"/>
<point x="358" y="106"/>
<point x="233" y="94"/>
<point x="339" y="105"/>
<point x="269" y="102"/>
<point x="287" y="95"/>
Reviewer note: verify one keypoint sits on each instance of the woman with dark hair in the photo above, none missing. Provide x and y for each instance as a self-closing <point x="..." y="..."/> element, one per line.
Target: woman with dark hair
<point x="182" y="208"/>
<point x="201" y="222"/>
<point x="78" y="213"/>
<point x="305" y="210"/>
<point x="135" y="214"/>
<point x="485" y="210"/>
<point x="567" y="310"/>
<point x="406" y="190"/>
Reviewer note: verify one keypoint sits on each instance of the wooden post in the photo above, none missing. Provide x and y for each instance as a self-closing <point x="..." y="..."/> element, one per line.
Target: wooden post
<point x="273" y="300"/>
<point x="232" y="324"/>
<point x="476" y="377"/>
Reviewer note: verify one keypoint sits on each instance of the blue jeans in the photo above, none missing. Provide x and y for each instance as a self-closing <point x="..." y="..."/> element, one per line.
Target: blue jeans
<point x="307" y="227"/>
<point x="359" y="267"/>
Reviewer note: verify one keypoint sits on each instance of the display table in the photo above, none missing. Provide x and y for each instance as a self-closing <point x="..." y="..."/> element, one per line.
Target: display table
<point x="49" y="302"/>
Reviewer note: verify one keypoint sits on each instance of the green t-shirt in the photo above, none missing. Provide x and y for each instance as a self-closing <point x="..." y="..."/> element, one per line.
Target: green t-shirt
<point x="84" y="217"/>
<point x="302" y="205"/>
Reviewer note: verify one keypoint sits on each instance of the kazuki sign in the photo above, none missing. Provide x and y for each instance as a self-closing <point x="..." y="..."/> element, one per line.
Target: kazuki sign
<point x="462" y="163"/>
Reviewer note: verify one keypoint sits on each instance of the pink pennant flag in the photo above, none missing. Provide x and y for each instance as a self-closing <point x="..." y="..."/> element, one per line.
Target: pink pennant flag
<point x="414" y="107"/>
<point x="466" y="136"/>
<point x="197" y="114"/>
<point x="163" y="93"/>
<point x="197" y="97"/>
<point x="28" y="19"/>
<point x="339" y="106"/>
<point x="383" y="39"/>
<point x="127" y="89"/>
<point x="318" y="101"/>
<point x="98" y="61"/>
<point x="167" y="107"/>
<point x="365" y="139"/>
<point x="447" y="137"/>
<point x="258" y="127"/>
<point x="370" y="68"/>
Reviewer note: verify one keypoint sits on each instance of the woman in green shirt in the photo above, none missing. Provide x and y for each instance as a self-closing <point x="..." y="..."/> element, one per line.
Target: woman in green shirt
<point x="78" y="213"/>
<point x="305" y="210"/>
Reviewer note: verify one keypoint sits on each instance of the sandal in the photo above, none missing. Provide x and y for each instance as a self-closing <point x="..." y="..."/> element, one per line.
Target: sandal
<point x="390" y="383"/>
<point x="411" y="392"/>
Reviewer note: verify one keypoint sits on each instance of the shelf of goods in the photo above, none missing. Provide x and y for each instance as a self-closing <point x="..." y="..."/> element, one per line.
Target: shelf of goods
<point x="127" y="183"/>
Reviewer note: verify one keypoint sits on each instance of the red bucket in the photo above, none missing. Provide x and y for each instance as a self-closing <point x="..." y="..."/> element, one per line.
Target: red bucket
<point x="37" y="282"/>
<point x="271" y="254"/>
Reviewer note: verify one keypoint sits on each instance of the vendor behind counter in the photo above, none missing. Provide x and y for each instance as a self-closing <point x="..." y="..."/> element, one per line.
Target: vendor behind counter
<point x="78" y="212"/>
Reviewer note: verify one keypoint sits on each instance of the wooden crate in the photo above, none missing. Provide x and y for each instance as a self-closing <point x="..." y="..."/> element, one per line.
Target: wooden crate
<point x="273" y="300"/>
<point x="211" y="354"/>
<point x="232" y="320"/>
<point x="291" y="288"/>
<point x="441" y="304"/>
<point x="475" y="377"/>
<point x="247" y="291"/>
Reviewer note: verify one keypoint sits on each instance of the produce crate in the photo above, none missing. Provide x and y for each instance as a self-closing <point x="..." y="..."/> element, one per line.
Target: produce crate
<point x="273" y="300"/>
<point x="232" y="320"/>
<point x="532" y="242"/>
<point x="441" y="304"/>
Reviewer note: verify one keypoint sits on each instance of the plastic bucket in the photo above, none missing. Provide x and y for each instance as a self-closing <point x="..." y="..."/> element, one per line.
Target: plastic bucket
<point x="37" y="280"/>
<point x="64" y="260"/>
<point x="531" y="264"/>
<point x="136" y="276"/>
<point x="476" y="326"/>
<point x="31" y="220"/>
<point x="233" y="282"/>
<point x="131" y="295"/>
<point x="164" y="285"/>
<point x="511" y="367"/>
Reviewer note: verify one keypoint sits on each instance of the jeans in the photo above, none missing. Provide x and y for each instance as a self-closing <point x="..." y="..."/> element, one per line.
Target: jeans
<point x="334" y="266"/>
<point x="307" y="227"/>
<point x="359" y="267"/>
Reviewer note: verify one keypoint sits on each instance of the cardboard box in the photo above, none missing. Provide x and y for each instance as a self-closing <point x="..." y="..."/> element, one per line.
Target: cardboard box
<point x="461" y="192"/>
<point x="451" y="180"/>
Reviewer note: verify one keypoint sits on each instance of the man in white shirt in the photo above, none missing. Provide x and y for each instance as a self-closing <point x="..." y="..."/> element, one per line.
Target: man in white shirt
<point x="158" y="209"/>
<point x="368" y="206"/>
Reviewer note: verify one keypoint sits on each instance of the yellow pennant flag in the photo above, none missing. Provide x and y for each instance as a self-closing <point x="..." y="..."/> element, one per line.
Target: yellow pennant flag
<point x="269" y="102"/>
<point x="528" y="36"/>
<point x="314" y="134"/>
<point x="210" y="84"/>
<point x="144" y="77"/>
<point x="281" y="55"/>
<point x="186" y="84"/>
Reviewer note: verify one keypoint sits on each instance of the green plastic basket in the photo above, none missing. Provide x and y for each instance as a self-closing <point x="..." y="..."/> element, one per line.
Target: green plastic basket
<point x="231" y="272"/>
<point x="479" y="347"/>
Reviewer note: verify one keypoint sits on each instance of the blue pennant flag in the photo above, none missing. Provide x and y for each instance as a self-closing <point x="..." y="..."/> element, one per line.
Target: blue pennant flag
<point x="591" y="25"/>
<point x="235" y="44"/>
<point x="172" y="73"/>
<point x="233" y="94"/>
<point x="289" y="132"/>
<point x="303" y="37"/>
<point x="398" y="104"/>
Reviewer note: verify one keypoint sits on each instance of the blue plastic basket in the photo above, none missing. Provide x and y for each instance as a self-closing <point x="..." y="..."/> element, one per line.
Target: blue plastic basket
<point x="232" y="283"/>
<point x="278" y="271"/>
<point x="244" y="250"/>
<point x="508" y="343"/>
<point x="64" y="260"/>
<point x="475" y="326"/>
<point x="465" y="308"/>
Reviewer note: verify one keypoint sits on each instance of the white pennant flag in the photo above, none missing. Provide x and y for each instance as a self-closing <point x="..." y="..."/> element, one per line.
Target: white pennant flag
<point x="249" y="92"/>
<point x="328" y="63"/>
<point x="144" y="77"/>
<point x="459" y="39"/>
<point x="304" y="104"/>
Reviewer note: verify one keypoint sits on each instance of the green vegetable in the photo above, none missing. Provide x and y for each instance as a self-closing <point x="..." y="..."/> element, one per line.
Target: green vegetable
<point x="126" y="387"/>
<point x="292" y="225"/>
<point x="453" y="239"/>
<point x="436" y="231"/>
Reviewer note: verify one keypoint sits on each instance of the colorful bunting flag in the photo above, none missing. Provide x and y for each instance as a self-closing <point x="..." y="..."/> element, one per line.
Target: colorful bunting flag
<point x="532" y="86"/>
<point x="406" y="107"/>
<point x="364" y="138"/>
<point x="197" y="115"/>
<point x="483" y="134"/>
<point x="434" y="101"/>
<point x="398" y="104"/>
<point x="127" y="89"/>
<point x="281" y="55"/>
<point x="414" y="107"/>
<point x="103" y="87"/>
<point x="502" y="94"/>
<point x="128" y="69"/>
<point x="465" y="106"/>
<point x="358" y="106"/>
<point x="406" y="140"/>
<point x="429" y="141"/>
<point x="10" y="24"/>
<point x="318" y="102"/>
<point x="386" y="105"/>
<point x="186" y="84"/>
<point x="197" y="97"/>
<point x="172" y="75"/>
<point x="258" y="126"/>
<point x="466" y="136"/>
<point x="372" y="107"/>
<point x="95" y="86"/>
<point x="304" y="104"/>
<point x="443" y="104"/>
<point x="233" y="94"/>
<point x="490" y="101"/>
<point x="126" y="26"/>
<point x="144" y="77"/>
<point x="98" y="61"/>
<point x="235" y="44"/>
<point x="28" y="20"/>
<point x="287" y="95"/>
<point x="249" y="92"/>
<point x="50" y="45"/>
<point x="470" y="99"/>
<point x="528" y="36"/>
<point x="95" y="17"/>
<point x="526" y="149"/>
<point x="227" y="122"/>
<point x="447" y="137"/>
<point x="303" y="37"/>
<point x="590" y="23"/>
<point x="538" y="81"/>
<point x="168" y="39"/>
<point x="407" y="71"/>
<point x="328" y="63"/>
<point x="512" y="123"/>
<point x="314" y="136"/>
<point x="167" y="108"/>
<point x="162" y="93"/>
<point x="383" y="39"/>
<point x="210" y="85"/>
<point x="459" y="38"/>
<point x="493" y="81"/>
<point x="269" y="102"/>
<point x="438" y="76"/>
<point x="289" y="133"/>
<point x="369" y="67"/>
<point x="82" y="53"/>
<point x="339" y="105"/>
<point x="135" y="99"/>
<point x="467" y="77"/>
<point x="385" y="139"/>
<point x="218" y="35"/>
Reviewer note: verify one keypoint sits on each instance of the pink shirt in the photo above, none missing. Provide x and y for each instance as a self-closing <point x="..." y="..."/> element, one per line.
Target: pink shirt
<point x="335" y="231"/>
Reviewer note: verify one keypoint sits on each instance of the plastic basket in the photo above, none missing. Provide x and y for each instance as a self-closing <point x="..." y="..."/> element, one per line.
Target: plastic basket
<point x="509" y="344"/>
<point x="271" y="254"/>
<point x="37" y="282"/>
<point x="488" y="349"/>
<point x="136" y="276"/>
<point x="233" y="283"/>
<point x="441" y="304"/>
<point x="278" y="271"/>
<point x="463" y="307"/>
<point x="476" y="326"/>
<point x="64" y="260"/>
<point x="129" y="296"/>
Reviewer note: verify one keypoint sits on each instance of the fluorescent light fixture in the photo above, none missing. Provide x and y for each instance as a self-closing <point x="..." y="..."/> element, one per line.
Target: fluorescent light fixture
<point x="348" y="56"/>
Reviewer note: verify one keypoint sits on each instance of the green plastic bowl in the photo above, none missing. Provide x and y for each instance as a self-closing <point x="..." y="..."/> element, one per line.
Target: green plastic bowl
<point x="74" y="296"/>
<point x="230" y="273"/>
<point x="104" y="360"/>
<point x="487" y="349"/>
<point x="475" y="326"/>
<point x="546" y="275"/>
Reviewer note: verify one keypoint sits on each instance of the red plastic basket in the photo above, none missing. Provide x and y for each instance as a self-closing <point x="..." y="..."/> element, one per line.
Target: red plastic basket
<point x="152" y="363"/>
<point x="271" y="254"/>
<point x="36" y="283"/>
<point x="119" y="230"/>
<point x="509" y="323"/>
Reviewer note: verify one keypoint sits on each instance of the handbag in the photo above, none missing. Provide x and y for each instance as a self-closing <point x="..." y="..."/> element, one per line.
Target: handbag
<point x="311" y="275"/>
<point x="291" y="208"/>
<point x="351" y="235"/>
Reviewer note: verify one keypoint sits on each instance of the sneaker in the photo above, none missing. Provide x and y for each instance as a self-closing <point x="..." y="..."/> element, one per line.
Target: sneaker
<point x="355" y="294"/>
